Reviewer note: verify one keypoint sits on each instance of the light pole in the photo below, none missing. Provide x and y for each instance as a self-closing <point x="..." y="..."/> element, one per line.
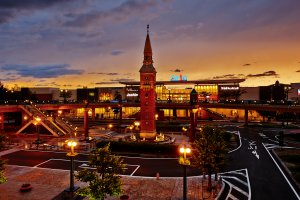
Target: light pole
<point x="200" y="112"/>
<point x="37" y="123"/>
<point x="184" y="149"/>
<point x="169" y="101"/>
<point x="137" y="124"/>
<point x="71" y="155"/>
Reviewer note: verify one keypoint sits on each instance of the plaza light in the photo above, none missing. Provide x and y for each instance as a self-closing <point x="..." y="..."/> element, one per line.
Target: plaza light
<point x="184" y="150"/>
<point x="72" y="144"/>
<point x="136" y="123"/>
<point x="37" y="123"/>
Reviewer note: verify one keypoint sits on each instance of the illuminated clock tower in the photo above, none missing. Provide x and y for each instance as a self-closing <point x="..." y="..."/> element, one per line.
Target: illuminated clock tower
<point x="147" y="93"/>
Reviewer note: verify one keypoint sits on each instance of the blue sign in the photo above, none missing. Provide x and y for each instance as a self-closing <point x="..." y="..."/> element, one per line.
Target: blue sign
<point x="178" y="78"/>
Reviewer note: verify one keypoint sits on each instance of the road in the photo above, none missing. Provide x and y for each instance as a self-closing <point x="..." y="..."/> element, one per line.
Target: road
<point x="265" y="178"/>
<point x="136" y="166"/>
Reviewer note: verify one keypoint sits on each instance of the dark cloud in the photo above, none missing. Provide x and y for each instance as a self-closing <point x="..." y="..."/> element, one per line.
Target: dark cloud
<point x="176" y="70"/>
<point x="116" y="52"/>
<point x="247" y="64"/>
<point x="105" y="83"/>
<point x="114" y="81"/>
<point x="6" y="15"/>
<point x="120" y="13"/>
<point x="105" y="73"/>
<point x="123" y="80"/>
<point x="298" y="70"/>
<point x="7" y="79"/>
<point x="265" y="74"/>
<point x="11" y="8"/>
<point x="46" y="71"/>
<point x="230" y="76"/>
<point x="28" y="4"/>
<point x="233" y="76"/>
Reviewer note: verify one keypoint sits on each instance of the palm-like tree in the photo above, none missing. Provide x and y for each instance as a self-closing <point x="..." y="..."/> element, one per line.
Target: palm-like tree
<point x="210" y="151"/>
<point x="105" y="179"/>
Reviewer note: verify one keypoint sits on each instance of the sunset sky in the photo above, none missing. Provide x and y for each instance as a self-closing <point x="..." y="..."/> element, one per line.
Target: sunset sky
<point x="95" y="43"/>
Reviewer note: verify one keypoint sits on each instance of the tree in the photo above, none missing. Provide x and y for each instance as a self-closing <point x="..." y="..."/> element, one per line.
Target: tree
<point x="105" y="179"/>
<point x="2" y="162"/>
<point x="210" y="151"/>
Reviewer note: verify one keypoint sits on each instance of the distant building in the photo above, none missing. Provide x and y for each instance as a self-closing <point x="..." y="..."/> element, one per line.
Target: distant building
<point x="294" y="93"/>
<point x="274" y="92"/>
<point x="249" y="93"/>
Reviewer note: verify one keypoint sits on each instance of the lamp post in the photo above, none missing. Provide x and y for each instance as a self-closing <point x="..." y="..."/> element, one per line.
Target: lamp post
<point x="71" y="155"/>
<point x="36" y="123"/>
<point x="169" y="101"/>
<point x="200" y="109"/>
<point x="184" y="150"/>
<point x="137" y="124"/>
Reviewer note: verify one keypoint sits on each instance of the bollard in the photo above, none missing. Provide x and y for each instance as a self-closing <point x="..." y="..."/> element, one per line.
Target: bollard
<point x="157" y="176"/>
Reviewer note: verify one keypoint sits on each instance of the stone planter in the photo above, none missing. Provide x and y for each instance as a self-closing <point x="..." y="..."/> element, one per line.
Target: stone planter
<point x="26" y="187"/>
<point x="124" y="197"/>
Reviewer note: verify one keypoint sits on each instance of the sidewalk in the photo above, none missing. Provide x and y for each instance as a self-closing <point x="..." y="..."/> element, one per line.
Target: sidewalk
<point x="48" y="183"/>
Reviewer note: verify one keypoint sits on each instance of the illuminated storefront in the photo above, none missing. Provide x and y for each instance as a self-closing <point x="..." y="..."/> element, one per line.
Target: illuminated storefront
<point x="178" y="89"/>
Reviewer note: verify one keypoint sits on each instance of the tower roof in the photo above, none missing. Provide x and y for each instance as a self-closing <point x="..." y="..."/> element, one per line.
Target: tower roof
<point x="148" y="62"/>
<point x="147" y="48"/>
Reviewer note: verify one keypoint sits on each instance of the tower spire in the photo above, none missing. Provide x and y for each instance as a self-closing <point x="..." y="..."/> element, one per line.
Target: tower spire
<point x="148" y="61"/>
<point x="148" y="29"/>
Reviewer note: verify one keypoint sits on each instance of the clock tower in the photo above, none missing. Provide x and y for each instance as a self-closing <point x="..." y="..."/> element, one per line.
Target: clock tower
<point x="147" y="93"/>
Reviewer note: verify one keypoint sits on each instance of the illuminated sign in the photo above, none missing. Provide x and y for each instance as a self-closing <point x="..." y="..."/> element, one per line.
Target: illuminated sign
<point x="132" y="95"/>
<point x="298" y="92"/>
<point x="230" y="88"/>
<point x="178" y="78"/>
<point x="132" y="90"/>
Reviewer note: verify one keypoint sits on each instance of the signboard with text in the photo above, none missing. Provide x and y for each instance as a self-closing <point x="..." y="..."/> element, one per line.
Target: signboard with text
<point x="228" y="87"/>
<point x="132" y="91"/>
<point x="178" y="78"/>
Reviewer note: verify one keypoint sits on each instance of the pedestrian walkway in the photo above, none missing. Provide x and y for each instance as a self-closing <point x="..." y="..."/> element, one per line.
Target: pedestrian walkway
<point x="49" y="183"/>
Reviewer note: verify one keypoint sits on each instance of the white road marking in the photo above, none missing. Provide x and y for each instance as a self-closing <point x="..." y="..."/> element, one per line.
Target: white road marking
<point x="138" y="166"/>
<point x="236" y="188"/>
<point x="238" y="133"/>
<point x="42" y="163"/>
<point x="239" y="172"/>
<point x="282" y="172"/>
<point x="237" y="179"/>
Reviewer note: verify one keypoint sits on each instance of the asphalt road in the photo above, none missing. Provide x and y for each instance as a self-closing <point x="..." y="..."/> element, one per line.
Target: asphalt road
<point x="266" y="180"/>
<point x="136" y="166"/>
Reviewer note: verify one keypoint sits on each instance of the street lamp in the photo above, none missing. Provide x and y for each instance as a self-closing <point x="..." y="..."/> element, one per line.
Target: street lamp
<point x="137" y="124"/>
<point x="71" y="155"/>
<point x="200" y="112"/>
<point x="36" y="123"/>
<point x="169" y="101"/>
<point x="59" y="112"/>
<point x="184" y="150"/>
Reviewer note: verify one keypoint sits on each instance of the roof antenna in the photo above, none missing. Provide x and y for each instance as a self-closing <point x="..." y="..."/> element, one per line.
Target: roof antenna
<point x="148" y="29"/>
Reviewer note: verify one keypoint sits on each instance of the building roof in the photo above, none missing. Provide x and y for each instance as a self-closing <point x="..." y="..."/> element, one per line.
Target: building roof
<point x="195" y="82"/>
